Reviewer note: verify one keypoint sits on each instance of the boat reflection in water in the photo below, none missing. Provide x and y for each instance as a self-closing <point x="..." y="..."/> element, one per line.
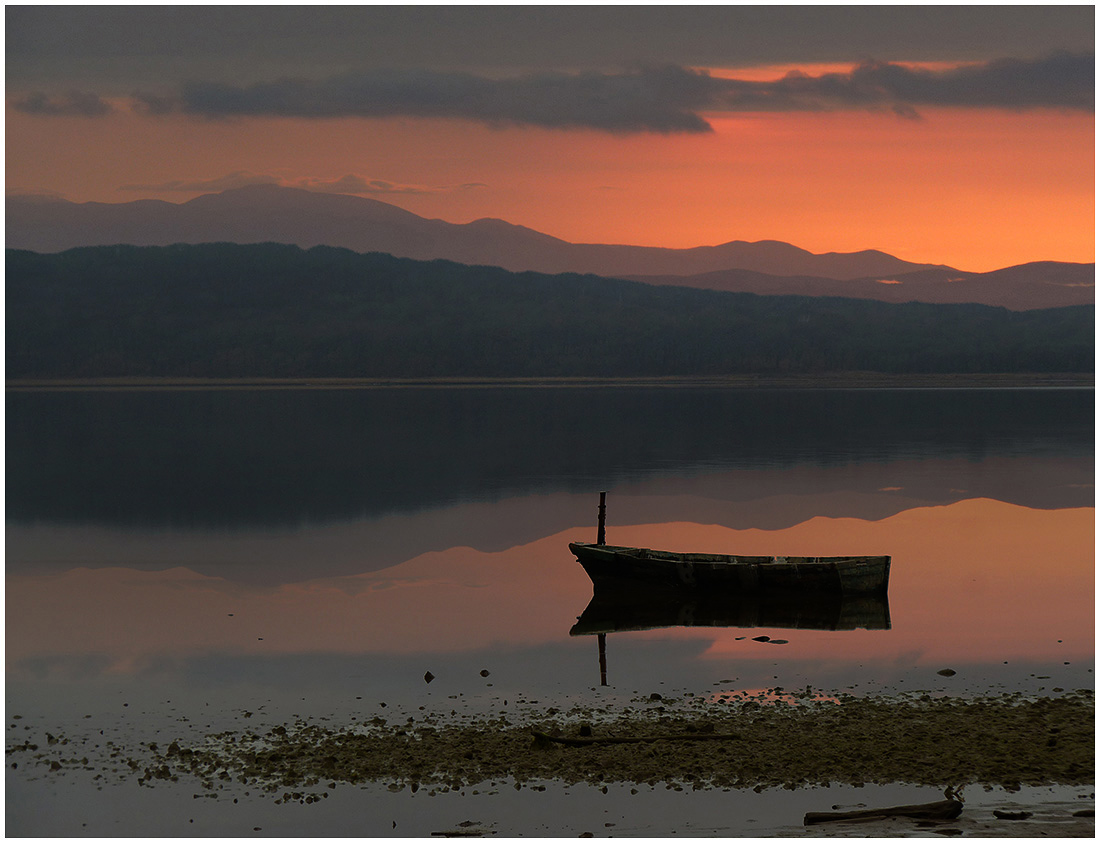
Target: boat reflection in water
<point x="650" y="609"/>
<point x="640" y="609"/>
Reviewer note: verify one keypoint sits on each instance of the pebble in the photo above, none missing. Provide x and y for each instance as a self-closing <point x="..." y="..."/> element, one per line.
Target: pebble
<point x="1012" y="815"/>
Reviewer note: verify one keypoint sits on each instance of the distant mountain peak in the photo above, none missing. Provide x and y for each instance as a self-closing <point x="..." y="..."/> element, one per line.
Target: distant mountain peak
<point x="274" y="213"/>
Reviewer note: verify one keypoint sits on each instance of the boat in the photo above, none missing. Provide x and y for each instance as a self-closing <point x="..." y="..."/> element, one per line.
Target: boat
<point x="613" y="569"/>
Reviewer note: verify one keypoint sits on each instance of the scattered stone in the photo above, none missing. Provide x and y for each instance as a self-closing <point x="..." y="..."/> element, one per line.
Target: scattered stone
<point x="946" y="672"/>
<point x="1087" y="812"/>
<point x="762" y="638"/>
<point x="484" y="673"/>
<point x="998" y="741"/>
<point x="429" y="676"/>
<point x="779" y="641"/>
<point x="1012" y="815"/>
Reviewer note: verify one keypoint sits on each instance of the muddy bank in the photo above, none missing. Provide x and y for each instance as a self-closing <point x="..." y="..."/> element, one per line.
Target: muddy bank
<point x="744" y="742"/>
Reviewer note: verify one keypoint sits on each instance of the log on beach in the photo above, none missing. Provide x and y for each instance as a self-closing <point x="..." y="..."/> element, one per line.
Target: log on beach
<point x="945" y="809"/>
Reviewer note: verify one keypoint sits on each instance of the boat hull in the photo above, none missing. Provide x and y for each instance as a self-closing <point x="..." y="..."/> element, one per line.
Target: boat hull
<point x="613" y="569"/>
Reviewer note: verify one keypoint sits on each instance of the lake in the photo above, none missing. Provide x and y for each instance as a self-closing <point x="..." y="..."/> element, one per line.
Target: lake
<point x="181" y="560"/>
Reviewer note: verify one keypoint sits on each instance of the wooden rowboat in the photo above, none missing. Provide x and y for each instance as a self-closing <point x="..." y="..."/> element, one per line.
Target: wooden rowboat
<point x="613" y="569"/>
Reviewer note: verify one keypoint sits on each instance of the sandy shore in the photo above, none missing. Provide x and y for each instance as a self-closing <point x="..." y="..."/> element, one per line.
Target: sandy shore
<point x="734" y="742"/>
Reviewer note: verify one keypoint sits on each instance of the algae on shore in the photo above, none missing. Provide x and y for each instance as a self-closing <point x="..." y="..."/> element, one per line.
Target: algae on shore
<point x="783" y="741"/>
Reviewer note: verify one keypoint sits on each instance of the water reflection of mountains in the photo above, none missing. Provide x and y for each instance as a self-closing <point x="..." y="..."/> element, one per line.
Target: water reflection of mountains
<point x="264" y="458"/>
<point x="649" y="610"/>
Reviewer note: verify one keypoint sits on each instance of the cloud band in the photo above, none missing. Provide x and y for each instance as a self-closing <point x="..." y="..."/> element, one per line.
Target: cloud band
<point x="660" y="99"/>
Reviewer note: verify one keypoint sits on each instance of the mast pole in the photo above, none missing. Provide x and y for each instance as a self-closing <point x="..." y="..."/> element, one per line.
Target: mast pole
<point x="600" y="536"/>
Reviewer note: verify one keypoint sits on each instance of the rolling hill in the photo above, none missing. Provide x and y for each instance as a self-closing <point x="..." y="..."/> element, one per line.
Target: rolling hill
<point x="227" y="310"/>
<point x="1030" y="286"/>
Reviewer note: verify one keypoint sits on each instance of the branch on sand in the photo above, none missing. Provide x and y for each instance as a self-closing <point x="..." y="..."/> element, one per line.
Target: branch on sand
<point x="946" y="809"/>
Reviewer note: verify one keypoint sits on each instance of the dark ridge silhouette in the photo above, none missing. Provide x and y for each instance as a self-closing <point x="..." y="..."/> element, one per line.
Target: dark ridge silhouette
<point x="225" y="310"/>
<point x="1030" y="286"/>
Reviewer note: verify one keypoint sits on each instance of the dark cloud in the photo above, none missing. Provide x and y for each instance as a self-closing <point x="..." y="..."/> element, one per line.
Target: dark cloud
<point x="72" y="104"/>
<point x="649" y="100"/>
<point x="117" y="48"/>
<point x="1062" y="80"/>
<point x="657" y="99"/>
<point x="664" y="100"/>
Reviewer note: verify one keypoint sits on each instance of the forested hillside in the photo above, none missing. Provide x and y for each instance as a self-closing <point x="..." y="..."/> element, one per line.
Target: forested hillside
<point x="224" y="310"/>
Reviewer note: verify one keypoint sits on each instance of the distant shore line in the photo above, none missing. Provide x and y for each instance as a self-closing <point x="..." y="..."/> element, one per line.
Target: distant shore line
<point x="837" y="380"/>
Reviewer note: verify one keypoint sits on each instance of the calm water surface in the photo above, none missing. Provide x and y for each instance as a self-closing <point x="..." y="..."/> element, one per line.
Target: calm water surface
<point x="177" y="558"/>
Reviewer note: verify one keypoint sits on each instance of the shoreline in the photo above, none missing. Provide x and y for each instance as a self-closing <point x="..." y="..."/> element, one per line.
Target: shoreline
<point x="1025" y="756"/>
<point x="838" y="380"/>
<point x="740" y="740"/>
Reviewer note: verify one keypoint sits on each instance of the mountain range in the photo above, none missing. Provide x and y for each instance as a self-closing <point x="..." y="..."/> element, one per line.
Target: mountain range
<point x="272" y="310"/>
<point x="270" y="213"/>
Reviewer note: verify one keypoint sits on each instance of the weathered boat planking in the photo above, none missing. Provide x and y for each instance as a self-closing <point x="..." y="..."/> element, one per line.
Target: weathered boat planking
<point x="612" y="568"/>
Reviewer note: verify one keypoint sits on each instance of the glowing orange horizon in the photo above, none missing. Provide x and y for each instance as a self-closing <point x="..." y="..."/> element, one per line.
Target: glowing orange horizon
<point x="975" y="189"/>
<point x="771" y="72"/>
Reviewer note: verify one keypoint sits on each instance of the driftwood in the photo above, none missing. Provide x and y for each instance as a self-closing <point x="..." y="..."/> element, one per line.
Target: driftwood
<point x="543" y="738"/>
<point x="946" y="809"/>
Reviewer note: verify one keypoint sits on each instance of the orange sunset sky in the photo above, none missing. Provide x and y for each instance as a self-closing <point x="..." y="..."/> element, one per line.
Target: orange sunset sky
<point x="954" y="135"/>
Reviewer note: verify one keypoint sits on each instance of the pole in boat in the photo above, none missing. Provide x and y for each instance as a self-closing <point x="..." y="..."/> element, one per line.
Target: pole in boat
<point x="602" y="518"/>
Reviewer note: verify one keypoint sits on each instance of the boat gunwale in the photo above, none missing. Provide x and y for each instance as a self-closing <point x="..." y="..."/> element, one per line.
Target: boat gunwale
<point x="695" y="558"/>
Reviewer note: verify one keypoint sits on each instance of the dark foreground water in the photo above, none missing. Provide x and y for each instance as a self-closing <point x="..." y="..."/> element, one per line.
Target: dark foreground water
<point x="183" y="562"/>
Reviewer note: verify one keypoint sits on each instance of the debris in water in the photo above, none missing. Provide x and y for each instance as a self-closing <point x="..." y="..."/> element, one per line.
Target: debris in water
<point x="946" y="809"/>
